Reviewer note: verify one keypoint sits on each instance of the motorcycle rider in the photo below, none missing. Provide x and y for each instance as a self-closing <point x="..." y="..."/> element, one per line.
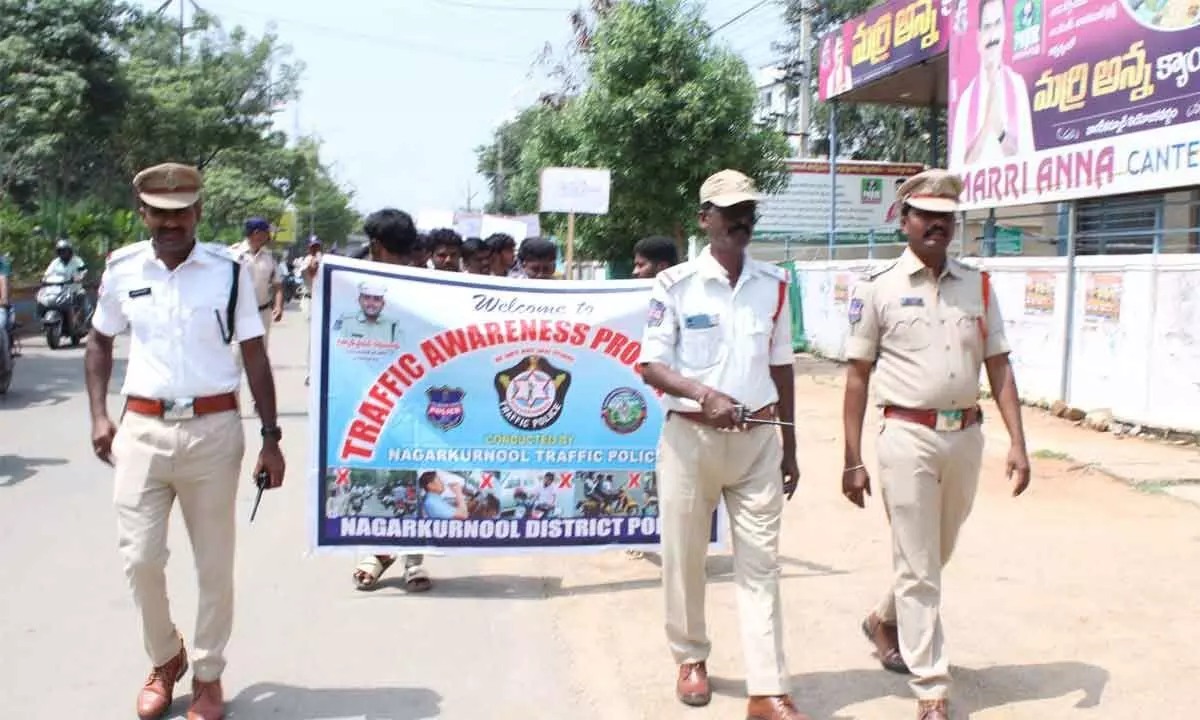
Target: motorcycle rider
<point x="71" y="265"/>
<point x="6" y="318"/>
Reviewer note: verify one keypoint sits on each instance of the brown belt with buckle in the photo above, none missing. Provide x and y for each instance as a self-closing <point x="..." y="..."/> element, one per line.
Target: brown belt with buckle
<point x="936" y="419"/>
<point x="182" y="408"/>
<point x="767" y="412"/>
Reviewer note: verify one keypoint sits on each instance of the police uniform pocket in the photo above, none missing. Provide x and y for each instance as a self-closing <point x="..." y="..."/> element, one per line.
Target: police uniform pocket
<point x="700" y="347"/>
<point x="910" y="331"/>
<point x="970" y="330"/>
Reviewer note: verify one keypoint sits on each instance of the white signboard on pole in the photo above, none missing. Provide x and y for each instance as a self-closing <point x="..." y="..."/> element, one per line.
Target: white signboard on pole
<point x="574" y="190"/>
<point x="509" y="226"/>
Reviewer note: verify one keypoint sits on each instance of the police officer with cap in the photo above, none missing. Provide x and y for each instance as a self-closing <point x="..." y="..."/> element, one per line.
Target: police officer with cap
<point x="718" y="343"/>
<point x="924" y="325"/>
<point x="368" y="324"/>
<point x="180" y="435"/>
<point x="255" y="252"/>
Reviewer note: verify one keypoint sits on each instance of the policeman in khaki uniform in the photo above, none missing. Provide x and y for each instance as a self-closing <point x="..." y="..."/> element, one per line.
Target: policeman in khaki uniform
<point x="255" y="253"/>
<point x="718" y="341"/>
<point x="180" y="435"/>
<point x="925" y="324"/>
<point x="368" y="323"/>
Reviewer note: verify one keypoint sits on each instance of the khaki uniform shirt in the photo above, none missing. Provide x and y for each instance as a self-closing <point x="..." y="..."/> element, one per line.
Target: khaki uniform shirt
<point x="924" y="333"/>
<point x="264" y="270"/>
<point x="356" y="326"/>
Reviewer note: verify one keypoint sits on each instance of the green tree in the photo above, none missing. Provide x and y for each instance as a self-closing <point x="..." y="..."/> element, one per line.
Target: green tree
<point x="664" y="106"/>
<point x="865" y="132"/>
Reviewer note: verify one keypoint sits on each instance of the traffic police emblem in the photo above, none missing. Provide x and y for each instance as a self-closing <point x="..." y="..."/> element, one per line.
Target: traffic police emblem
<point x="445" y="410"/>
<point x="532" y="393"/>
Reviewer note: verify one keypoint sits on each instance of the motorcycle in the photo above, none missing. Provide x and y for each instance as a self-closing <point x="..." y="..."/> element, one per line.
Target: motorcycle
<point x="62" y="311"/>
<point x="8" y="354"/>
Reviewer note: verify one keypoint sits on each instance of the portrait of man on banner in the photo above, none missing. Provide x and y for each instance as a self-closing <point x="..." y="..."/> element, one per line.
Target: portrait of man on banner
<point x="992" y="117"/>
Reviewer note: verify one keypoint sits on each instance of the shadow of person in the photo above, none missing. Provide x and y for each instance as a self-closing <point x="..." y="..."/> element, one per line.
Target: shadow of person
<point x="274" y="700"/>
<point x="15" y="469"/>
<point x="825" y="694"/>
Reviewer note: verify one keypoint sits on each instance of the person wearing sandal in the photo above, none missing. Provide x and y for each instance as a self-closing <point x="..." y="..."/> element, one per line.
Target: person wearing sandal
<point x="925" y="325"/>
<point x="180" y="437"/>
<point x="392" y="239"/>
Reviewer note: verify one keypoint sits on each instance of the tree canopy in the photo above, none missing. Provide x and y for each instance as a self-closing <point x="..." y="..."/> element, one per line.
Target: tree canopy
<point x="661" y="105"/>
<point x="91" y="91"/>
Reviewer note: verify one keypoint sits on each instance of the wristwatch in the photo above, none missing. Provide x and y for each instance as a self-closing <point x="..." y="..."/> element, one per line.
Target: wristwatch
<point x="273" y="432"/>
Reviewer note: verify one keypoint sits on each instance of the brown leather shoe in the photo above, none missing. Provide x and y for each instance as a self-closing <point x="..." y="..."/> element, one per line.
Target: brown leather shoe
<point x="208" y="702"/>
<point x="885" y="636"/>
<point x="159" y="690"/>
<point x="692" y="687"/>
<point x="932" y="710"/>
<point x="777" y="707"/>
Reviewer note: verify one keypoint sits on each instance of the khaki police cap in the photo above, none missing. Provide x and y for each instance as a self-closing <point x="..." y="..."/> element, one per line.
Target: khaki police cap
<point x="170" y="186"/>
<point x="934" y="190"/>
<point x="728" y="187"/>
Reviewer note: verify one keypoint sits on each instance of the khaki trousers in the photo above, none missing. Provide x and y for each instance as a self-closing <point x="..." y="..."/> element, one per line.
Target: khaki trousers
<point x="697" y="466"/>
<point x="197" y="461"/>
<point x="928" y="481"/>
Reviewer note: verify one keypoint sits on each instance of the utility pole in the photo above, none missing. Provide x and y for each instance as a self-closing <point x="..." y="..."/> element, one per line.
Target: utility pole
<point x="182" y="21"/>
<point x="798" y="80"/>
<point x="498" y="186"/>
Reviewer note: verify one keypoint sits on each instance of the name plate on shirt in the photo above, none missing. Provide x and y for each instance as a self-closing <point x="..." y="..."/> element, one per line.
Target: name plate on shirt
<point x="701" y="322"/>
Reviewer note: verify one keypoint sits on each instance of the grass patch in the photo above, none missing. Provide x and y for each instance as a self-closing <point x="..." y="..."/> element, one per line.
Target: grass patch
<point x="1044" y="454"/>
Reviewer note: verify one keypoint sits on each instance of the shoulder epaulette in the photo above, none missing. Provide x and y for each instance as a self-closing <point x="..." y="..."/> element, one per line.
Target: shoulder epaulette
<point x="222" y="251"/>
<point x="873" y="272"/>
<point x="965" y="266"/>
<point x="126" y="252"/>
<point x="779" y="273"/>
<point x="673" y="275"/>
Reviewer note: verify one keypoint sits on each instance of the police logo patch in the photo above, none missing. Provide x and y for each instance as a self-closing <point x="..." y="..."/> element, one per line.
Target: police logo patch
<point x="624" y="410"/>
<point x="658" y="312"/>
<point x="445" y="410"/>
<point x="856" y="310"/>
<point x="912" y="302"/>
<point x="532" y="393"/>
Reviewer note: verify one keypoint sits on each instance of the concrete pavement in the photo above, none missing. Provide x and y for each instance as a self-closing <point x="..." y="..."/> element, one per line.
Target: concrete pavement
<point x="1074" y="601"/>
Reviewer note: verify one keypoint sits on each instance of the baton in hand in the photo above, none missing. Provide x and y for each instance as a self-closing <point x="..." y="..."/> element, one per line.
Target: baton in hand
<point x="743" y="417"/>
<point x="262" y="480"/>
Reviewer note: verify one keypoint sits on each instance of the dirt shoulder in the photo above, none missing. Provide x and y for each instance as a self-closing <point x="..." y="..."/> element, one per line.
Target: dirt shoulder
<point x="1068" y="602"/>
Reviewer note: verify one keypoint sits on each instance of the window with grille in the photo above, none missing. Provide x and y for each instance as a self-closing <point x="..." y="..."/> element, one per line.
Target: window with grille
<point x="1122" y="225"/>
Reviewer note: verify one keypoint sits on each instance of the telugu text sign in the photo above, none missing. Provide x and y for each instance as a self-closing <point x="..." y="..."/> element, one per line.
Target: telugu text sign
<point x="509" y="414"/>
<point x="1064" y="99"/>
<point x="865" y="194"/>
<point x="883" y="41"/>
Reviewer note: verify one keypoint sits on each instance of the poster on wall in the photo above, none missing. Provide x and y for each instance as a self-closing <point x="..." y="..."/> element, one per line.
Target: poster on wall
<point x="508" y="416"/>
<point x="1103" y="300"/>
<point x="841" y="289"/>
<point x="1039" y="293"/>
<point x="882" y="41"/>
<point x="1052" y="101"/>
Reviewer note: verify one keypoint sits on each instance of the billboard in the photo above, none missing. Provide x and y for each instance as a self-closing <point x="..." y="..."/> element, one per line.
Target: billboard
<point x="1052" y="101"/>
<point x="866" y="192"/>
<point x="883" y="41"/>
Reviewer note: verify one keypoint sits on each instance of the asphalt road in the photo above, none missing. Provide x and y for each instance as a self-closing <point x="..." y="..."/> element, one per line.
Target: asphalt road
<point x="306" y="644"/>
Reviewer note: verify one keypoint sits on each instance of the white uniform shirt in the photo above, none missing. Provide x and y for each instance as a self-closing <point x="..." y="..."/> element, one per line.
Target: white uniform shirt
<point x="177" y="350"/>
<point x="721" y="336"/>
<point x="264" y="270"/>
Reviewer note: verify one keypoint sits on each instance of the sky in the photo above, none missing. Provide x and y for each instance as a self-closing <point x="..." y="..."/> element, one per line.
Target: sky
<point x="400" y="92"/>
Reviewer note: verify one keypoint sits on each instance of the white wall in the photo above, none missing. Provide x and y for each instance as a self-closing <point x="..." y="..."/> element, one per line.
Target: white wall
<point x="1144" y="366"/>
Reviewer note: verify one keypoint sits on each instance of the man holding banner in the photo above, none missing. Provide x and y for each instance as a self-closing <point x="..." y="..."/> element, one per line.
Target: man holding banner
<point x="392" y="238"/>
<point x="718" y="343"/>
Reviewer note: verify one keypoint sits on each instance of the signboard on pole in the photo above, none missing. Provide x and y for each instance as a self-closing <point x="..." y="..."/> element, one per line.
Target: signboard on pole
<point x="584" y="191"/>
<point x="883" y="41"/>
<point x="866" y="192"/>
<point x="1057" y="101"/>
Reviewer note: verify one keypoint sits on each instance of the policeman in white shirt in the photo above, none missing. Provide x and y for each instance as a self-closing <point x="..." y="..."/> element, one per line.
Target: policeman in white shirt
<point x="180" y="434"/>
<point x="718" y="343"/>
<point x="255" y="253"/>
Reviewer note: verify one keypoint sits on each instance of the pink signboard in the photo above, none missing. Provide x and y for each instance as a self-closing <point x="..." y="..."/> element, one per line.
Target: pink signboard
<point x="883" y="41"/>
<point x="1053" y="100"/>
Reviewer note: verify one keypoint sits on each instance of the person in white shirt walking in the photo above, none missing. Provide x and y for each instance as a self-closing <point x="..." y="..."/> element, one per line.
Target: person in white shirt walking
<point x="180" y="435"/>
<point x="718" y="343"/>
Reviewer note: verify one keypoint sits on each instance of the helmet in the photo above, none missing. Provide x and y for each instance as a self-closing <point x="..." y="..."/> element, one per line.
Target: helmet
<point x="63" y="244"/>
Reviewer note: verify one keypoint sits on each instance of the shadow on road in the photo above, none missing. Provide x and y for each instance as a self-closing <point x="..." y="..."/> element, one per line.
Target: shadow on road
<point x="15" y="469"/>
<point x="43" y="377"/>
<point x="522" y="587"/>
<point x="272" y="700"/>
<point x="823" y="695"/>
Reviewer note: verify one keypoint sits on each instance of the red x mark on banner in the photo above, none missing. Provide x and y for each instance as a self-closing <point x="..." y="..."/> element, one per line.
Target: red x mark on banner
<point x="566" y="481"/>
<point x="343" y="476"/>
<point x="487" y="481"/>
<point x="635" y="480"/>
